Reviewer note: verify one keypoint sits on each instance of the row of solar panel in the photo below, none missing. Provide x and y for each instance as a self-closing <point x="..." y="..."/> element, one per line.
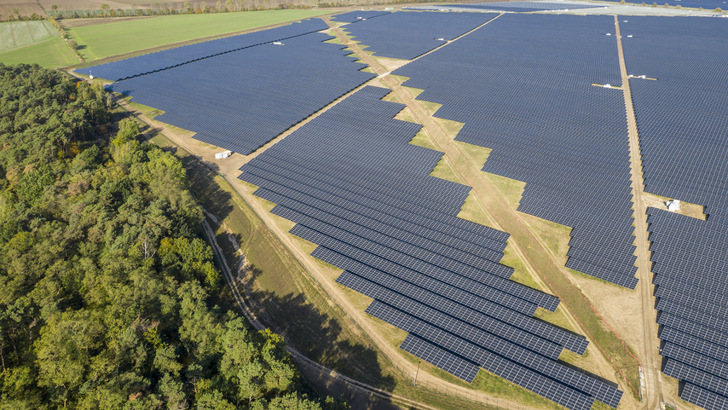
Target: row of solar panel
<point x="359" y="15"/>
<point x="419" y="258"/>
<point x="515" y="6"/>
<point x="534" y="105"/>
<point x="561" y="384"/>
<point x="681" y="119"/>
<point x="422" y="248"/>
<point x="175" y="57"/>
<point x="406" y="35"/>
<point x="705" y="4"/>
<point x="516" y="297"/>
<point x="241" y="100"/>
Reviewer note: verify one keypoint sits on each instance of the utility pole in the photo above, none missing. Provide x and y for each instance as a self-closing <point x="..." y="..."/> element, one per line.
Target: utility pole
<point x="416" y="372"/>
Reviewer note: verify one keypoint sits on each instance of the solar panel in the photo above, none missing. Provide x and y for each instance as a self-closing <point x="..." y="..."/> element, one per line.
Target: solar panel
<point x="240" y="100"/>
<point x="441" y="358"/>
<point x="522" y="85"/>
<point x="359" y="15"/>
<point x="406" y="35"/>
<point x="681" y="119"/>
<point x="703" y="398"/>
<point x="515" y="6"/>
<point x="166" y="59"/>
<point x="369" y="215"/>
<point x="563" y="394"/>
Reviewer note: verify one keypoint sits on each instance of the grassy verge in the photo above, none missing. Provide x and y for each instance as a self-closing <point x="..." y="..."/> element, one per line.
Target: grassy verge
<point x="105" y="40"/>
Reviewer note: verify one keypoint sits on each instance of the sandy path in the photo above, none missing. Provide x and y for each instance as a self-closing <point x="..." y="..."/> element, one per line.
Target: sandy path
<point x="649" y="349"/>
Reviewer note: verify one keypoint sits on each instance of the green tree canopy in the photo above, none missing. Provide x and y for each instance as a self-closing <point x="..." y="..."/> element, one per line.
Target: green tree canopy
<point x="107" y="283"/>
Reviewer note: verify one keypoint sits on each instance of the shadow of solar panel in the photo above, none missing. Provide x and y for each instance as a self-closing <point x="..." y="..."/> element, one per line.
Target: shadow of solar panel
<point x="166" y="59"/>
<point x="377" y="214"/>
<point x="528" y="96"/>
<point x="406" y="35"/>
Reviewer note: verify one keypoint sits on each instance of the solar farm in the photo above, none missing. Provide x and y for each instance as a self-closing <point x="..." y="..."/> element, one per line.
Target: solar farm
<point x="602" y="119"/>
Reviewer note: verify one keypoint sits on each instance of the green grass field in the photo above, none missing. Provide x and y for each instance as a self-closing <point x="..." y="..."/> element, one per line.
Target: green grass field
<point x="34" y="42"/>
<point x="16" y="34"/>
<point x="105" y="40"/>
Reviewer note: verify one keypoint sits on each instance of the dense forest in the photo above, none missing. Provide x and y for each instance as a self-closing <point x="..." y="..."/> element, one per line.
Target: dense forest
<point x="108" y="289"/>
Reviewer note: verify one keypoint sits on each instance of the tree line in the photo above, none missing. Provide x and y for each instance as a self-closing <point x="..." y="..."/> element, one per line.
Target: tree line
<point x="110" y="297"/>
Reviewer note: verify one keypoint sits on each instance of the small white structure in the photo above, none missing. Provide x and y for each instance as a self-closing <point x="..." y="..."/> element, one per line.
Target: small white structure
<point x="278" y="43"/>
<point x="91" y="76"/>
<point x="223" y="155"/>
<point x="609" y="34"/>
<point x="629" y="36"/>
<point x="440" y="39"/>
<point x="607" y="85"/>
<point x="673" y="205"/>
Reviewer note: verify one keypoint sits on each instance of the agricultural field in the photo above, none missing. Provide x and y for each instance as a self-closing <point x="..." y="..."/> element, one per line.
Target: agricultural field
<point x="34" y="42"/>
<point x="16" y="34"/>
<point x="106" y="40"/>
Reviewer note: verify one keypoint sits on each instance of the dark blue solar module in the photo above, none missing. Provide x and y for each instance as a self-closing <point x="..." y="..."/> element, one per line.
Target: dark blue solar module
<point x="406" y="35"/>
<point x="682" y="119"/>
<point x="241" y="100"/>
<point x="696" y="4"/>
<point x="354" y="186"/>
<point x="355" y="16"/>
<point x="161" y="60"/>
<point x="519" y="6"/>
<point x="523" y="87"/>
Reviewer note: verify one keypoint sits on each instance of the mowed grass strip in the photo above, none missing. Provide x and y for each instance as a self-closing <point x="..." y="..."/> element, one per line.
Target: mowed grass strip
<point x="106" y="40"/>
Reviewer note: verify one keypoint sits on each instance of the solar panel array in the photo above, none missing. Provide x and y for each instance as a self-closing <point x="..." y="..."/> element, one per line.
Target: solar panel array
<point x="354" y="186"/>
<point x="682" y="119"/>
<point x="355" y="16"/>
<point x="706" y="4"/>
<point x="162" y="60"/>
<point x="406" y="35"/>
<point x="519" y="6"/>
<point x="241" y="100"/>
<point x="522" y="85"/>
